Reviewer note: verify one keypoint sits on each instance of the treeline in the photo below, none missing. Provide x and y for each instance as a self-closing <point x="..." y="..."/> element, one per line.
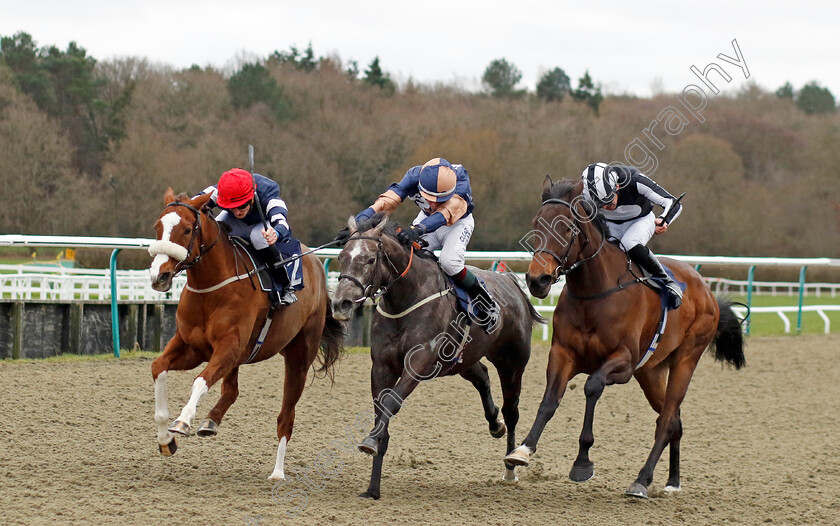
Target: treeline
<point x="88" y="147"/>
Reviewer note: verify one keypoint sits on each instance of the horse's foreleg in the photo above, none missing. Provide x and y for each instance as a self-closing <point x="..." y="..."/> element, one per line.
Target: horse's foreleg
<point x="668" y="429"/>
<point x="382" y="381"/>
<point x="230" y="391"/>
<point x="561" y="369"/>
<point x="176" y="356"/>
<point x="477" y="375"/>
<point x="616" y="369"/>
<point x="224" y="359"/>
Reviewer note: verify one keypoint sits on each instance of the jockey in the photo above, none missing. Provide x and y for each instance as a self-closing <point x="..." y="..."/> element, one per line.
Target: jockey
<point x="626" y="198"/>
<point x="236" y="196"/>
<point x="445" y="222"/>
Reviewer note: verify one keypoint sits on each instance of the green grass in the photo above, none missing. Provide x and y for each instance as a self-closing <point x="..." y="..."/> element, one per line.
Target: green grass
<point x="766" y="323"/>
<point x="125" y="354"/>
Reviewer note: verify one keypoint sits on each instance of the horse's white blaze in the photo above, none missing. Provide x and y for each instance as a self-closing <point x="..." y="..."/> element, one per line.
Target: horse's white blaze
<point x="278" y="474"/>
<point x="162" y="410"/>
<point x="355" y="251"/>
<point x="163" y="248"/>
<point x="199" y="389"/>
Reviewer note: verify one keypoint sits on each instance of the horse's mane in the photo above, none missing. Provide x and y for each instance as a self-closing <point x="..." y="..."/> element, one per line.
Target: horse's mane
<point x="564" y="189"/>
<point x="390" y="229"/>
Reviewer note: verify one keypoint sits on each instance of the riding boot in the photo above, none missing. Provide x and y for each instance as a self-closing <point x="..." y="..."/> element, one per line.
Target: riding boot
<point x="488" y="316"/>
<point x="642" y="256"/>
<point x="272" y="258"/>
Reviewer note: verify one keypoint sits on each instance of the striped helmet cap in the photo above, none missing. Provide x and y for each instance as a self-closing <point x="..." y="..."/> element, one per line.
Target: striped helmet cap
<point x="437" y="180"/>
<point x="601" y="182"/>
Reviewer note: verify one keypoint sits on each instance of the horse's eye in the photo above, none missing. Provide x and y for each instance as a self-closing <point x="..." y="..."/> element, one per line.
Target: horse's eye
<point x="187" y="230"/>
<point x="370" y="261"/>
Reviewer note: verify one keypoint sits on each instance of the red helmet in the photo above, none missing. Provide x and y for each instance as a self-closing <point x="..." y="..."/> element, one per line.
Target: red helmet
<point x="236" y="187"/>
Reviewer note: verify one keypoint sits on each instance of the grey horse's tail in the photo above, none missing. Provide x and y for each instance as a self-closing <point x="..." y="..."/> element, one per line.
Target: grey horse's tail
<point x="536" y="318"/>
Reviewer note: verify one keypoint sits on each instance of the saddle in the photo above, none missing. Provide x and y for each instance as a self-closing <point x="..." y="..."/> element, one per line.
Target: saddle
<point x="266" y="281"/>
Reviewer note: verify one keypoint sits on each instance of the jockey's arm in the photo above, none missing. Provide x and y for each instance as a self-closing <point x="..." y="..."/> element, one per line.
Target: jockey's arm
<point x="659" y="196"/>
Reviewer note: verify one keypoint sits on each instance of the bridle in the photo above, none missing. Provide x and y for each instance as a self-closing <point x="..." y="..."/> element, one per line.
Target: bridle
<point x="186" y="264"/>
<point x="561" y="268"/>
<point x="367" y="290"/>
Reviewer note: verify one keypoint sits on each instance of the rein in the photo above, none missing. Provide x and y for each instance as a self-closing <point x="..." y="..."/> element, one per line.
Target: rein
<point x="185" y="264"/>
<point x="366" y="289"/>
<point x="561" y="261"/>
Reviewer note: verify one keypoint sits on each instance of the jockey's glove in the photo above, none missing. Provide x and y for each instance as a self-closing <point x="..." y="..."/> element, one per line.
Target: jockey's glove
<point x="411" y="234"/>
<point x="342" y="237"/>
<point x="365" y="214"/>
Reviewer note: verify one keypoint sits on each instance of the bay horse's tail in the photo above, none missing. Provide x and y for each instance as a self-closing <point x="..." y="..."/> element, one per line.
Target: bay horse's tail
<point x="332" y="344"/>
<point x="729" y="340"/>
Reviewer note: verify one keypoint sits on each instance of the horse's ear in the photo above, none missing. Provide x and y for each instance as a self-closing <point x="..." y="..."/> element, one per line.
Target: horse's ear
<point x="351" y="224"/>
<point x="169" y="196"/>
<point x="381" y="226"/>
<point x="547" y="183"/>
<point x="202" y="200"/>
<point x="546" y="188"/>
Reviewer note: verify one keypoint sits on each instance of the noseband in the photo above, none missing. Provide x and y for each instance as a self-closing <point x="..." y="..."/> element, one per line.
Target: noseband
<point x="562" y="269"/>
<point x="367" y="290"/>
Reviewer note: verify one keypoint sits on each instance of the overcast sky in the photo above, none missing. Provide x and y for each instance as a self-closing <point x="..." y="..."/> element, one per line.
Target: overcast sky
<point x="630" y="47"/>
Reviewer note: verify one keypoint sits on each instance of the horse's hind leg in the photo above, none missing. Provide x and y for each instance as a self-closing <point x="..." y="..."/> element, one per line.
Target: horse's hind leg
<point x="668" y="428"/>
<point x="653" y="383"/>
<point x="175" y="356"/>
<point x="230" y="391"/>
<point x="298" y="357"/>
<point x="511" y="380"/>
<point x="477" y="375"/>
<point x="616" y="369"/>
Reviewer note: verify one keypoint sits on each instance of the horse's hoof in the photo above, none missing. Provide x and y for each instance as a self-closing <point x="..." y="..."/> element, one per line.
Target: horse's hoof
<point x="671" y="488"/>
<point x="637" y="490"/>
<point x="169" y="449"/>
<point x="208" y="428"/>
<point x="519" y="457"/>
<point x="182" y="428"/>
<point x="369" y="447"/>
<point x="369" y="495"/>
<point x="582" y="472"/>
<point x="500" y="430"/>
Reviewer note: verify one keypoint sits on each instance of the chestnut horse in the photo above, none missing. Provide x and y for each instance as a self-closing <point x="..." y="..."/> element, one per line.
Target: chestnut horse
<point x="220" y="317"/>
<point x="606" y="320"/>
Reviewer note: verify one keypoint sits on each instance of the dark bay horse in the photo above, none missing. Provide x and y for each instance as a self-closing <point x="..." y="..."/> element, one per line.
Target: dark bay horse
<point x="605" y="322"/>
<point x="220" y="318"/>
<point x="418" y="334"/>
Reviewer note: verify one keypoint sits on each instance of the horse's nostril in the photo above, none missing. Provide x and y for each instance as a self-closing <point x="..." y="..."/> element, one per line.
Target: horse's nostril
<point x="545" y="280"/>
<point x="345" y="305"/>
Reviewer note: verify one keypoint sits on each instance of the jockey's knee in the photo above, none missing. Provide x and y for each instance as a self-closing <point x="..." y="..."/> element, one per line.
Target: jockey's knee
<point x="451" y="266"/>
<point x="257" y="238"/>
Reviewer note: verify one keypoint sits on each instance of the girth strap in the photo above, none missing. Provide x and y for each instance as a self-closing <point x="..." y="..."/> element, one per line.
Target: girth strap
<point x="261" y="338"/>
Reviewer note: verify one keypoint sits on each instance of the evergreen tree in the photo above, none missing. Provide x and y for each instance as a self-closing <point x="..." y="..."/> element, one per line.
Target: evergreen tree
<point x="588" y="92"/>
<point x="376" y="77"/>
<point x="501" y="77"/>
<point x="554" y="85"/>
<point x="814" y="99"/>
<point x="785" y="92"/>
<point x="64" y="85"/>
<point x="253" y="83"/>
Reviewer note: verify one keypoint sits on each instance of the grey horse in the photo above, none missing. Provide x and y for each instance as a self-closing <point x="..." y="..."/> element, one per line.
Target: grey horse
<point x="418" y="333"/>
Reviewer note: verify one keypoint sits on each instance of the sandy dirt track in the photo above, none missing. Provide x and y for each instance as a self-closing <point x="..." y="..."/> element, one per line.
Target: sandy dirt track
<point x="760" y="447"/>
